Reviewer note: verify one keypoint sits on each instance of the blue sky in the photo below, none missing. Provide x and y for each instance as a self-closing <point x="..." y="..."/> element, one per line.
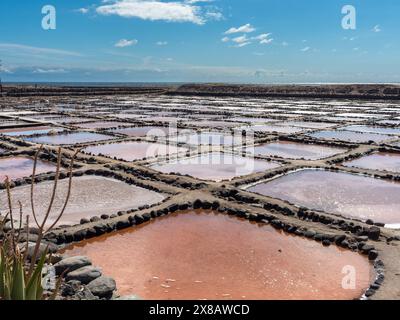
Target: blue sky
<point x="255" y="41"/>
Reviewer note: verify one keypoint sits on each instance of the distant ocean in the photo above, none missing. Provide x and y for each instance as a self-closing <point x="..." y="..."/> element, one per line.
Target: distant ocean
<point x="95" y="84"/>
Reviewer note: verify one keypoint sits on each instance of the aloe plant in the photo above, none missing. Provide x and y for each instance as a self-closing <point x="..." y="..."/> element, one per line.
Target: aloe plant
<point x="15" y="284"/>
<point x="20" y="280"/>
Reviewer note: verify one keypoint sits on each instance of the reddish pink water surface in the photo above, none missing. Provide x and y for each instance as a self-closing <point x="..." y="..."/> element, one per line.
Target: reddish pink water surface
<point x="294" y="150"/>
<point x="143" y="131"/>
<point x="204" y="255"/>
<point x="131" y="151"/>
<point x="20" y="167"/>
<point x="378" y="161"/>
<point x="101" y="124"/>
<point x="216" y="166"/>
<point x="350" y="136"/>
<point x="351" y="195"/>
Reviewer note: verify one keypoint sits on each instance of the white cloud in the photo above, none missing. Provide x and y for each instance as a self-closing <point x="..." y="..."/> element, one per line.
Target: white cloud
<point x="247" y="28"/>
<point x="377" y="28"/>
<point x="161" y="43"/>
<point x="35" y="50"/>
<point x="263" y="38"/>
<point x="44" y="71"/>
<point x="243" y="44"/>
<point x="153" y="10"/>
<point x="197" y="1"/>
<point x="5" y="70"/>
<point x="82" y="10"/>
<point x="214" y="15"/>
<point x="125" y="43"/>
<point x="240" y="39"/>
<point x="266" y="41"/>
<point x="243" y="40"/>
<point x="305" y="49"/>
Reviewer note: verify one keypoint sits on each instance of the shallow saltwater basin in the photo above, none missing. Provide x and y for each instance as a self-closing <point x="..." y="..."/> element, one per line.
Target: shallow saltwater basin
<point x="350" y="136"/>
<point x="131" y="151"/>
<point x="69" y="138"/>
<point x="27" y="131"/>
<point x="20" y="167"/>
<point x="205" y="255"/>
<point x="215" y="166"/>
<point x="378" y="161"/>
<point x="100" y="125"/>
<point x="250" y="120"/>
<point x="369" y="129"/>
<point x="72" y="119"/>
<point x="272" y="128"/>
<point x="208" y="138"/>
<point x="90" y="196"/>
<point x="294" y="150"/>
<point x="164" y="119"/>
<point x="212" y="124"/>
<point x="143" y="131"/>
<point x="310" y="124"/>
<point x="350" y="195"/>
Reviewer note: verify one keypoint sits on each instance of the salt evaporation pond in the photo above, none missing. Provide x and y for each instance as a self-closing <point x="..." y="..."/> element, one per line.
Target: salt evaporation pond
<point x="250" y="119"/>
<point x="143" y="131"/>
<point x="211" y="124"/>
<point x="90" y="196"/>
<point x="215" y="166"/>
<point x="69" y="138"/>
<point x="350" y="136"/>
<point x="101" y="125"/>
<point x="378" y="161"/>
<point x="369" y="129"/>
<point x="204" y="255"/>
<point x="310" y="124"/>
<point x="209" y="138"/>
<point x="350" y="195"/>
<point x="20" y="167"/>
<point x="130" y="151"/>
<point x="273" y="128"/>
<point x="72" y="119"/>
<point x="28" y="131"/>
<point x="294" y="150"/>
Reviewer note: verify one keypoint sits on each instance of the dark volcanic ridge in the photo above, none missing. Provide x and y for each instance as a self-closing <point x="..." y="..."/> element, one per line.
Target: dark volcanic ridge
<point x="347" y="91"/>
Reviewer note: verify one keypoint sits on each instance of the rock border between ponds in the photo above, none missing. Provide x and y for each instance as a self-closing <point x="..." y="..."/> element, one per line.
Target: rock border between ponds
<point x="81" y="280"/>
